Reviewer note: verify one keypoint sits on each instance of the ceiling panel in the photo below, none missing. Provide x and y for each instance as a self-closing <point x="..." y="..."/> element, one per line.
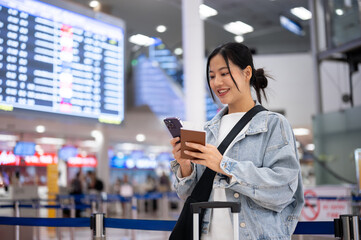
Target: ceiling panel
<point x="142" y="16"/>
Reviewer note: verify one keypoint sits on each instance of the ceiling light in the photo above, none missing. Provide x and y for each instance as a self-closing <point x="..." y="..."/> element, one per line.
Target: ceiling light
<point x="301" y="131"/>
<point x="301" y="13"/>
<point x="238" y="28"/>
<point x="339" y="11"/>
<point x="140" y="137"/>
<point x="239" y="38"/>
<point x="8" y="138"/>
<point x="127" y="147"/>
<point x="206" y="11"/>
<point x="178" y="51"/>
<point x="161" y="28"/>
<point x="50" y="141"/>
<point x="94" y="4"/>
<point x="141" y="40"/>
<point x="310" y="147"/>
<point x="40" y="129"/>
<point x="96" y="134"/>
<point x="89" y="144"/>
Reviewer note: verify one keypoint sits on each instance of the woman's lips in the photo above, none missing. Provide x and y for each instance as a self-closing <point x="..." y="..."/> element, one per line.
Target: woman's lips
<point x="222" y="92"/>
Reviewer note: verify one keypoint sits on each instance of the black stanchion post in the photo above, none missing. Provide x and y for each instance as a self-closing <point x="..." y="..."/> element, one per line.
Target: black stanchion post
<point x="347" y="227"/>
<point x="134" y="212"/>
<point x="97" y="225"/>
<point x="17" y="214"/>
<point x="37" y="206"/>
<point x="72" y="215"/>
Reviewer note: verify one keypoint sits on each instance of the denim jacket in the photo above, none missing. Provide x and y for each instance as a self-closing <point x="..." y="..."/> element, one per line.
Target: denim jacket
<point x="266" y="177"/>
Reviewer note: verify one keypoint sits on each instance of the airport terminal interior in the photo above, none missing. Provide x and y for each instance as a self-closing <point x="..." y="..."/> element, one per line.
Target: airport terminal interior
<point x="85" y="87"/>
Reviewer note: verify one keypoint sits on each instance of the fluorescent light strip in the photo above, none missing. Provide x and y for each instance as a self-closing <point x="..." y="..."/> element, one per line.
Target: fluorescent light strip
<point x="301" y="13"/>
<point x="6" y="138"/>
<point x="50" y="141"/>
<point x="206" y="11"/>
<point x="301" y="131"/>
<point x="141" y="40"/>
<point x="238" y="28"/>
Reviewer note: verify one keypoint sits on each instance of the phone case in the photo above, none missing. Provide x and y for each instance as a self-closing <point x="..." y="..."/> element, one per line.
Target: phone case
<point x="174" y="125"/>
<point x="191" y="136"/>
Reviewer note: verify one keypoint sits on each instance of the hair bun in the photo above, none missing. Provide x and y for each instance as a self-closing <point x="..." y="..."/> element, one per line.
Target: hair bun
<point x="261" y="79"/>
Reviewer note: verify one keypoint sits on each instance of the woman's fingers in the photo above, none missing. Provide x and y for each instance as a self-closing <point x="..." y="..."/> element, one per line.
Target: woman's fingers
<point x="196" y="146"/>
<point x="174" y="141"/>
<point x="197" y="155"/>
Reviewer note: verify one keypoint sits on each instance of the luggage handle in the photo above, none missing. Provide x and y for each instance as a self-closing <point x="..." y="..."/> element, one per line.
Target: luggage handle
<point x="196" y="209"/>
<point x="234" y="206"/>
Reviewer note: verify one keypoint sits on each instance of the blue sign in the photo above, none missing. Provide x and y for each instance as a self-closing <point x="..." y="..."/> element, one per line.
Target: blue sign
<point x="291" y="26"/>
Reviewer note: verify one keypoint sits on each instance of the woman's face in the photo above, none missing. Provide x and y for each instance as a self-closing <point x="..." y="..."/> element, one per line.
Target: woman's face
<point x="223" y="86"/>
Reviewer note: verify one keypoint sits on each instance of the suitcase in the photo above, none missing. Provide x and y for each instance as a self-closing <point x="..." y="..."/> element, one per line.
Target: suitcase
<point x="197" y="207"/>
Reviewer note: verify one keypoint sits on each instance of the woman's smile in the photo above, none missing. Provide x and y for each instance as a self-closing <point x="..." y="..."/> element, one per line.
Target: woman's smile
<point x="222" y="92"/>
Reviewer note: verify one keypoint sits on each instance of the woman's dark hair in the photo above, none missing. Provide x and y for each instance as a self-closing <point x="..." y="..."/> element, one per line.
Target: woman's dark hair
<point x="241" y="56"/>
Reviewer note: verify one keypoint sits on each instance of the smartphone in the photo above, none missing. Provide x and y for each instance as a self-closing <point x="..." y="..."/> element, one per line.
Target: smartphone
<point x="174" y="126"/>
<point x="191" y="136"/>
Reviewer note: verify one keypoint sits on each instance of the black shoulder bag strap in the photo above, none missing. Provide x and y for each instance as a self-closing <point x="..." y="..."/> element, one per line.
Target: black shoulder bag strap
<point x="201" y="192"/>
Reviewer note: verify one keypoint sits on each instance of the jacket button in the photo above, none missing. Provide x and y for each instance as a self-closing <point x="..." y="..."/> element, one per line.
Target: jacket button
<point x="242" y="225"/>
<point x="236" y="195"/>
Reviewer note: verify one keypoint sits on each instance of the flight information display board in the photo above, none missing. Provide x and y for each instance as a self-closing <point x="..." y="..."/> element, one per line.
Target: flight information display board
<point x="58" y="61"/>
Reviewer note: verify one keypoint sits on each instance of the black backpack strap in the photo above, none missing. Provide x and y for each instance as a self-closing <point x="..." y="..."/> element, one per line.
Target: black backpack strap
<point x="203" y="188"/>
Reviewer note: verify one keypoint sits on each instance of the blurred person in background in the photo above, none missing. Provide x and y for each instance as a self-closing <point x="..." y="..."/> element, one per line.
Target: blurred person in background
<point x="164" y="183"/>
<point x="126" y="191"/>
<point x="4" y="180"/>
<point x="150" y="187"/>
<point x="95" y="185"/>
<point x="76" y="188"/>
<point x="16" y="179"/>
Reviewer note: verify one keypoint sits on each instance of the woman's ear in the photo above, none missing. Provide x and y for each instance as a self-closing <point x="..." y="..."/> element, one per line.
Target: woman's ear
<point x="248" y="72"/>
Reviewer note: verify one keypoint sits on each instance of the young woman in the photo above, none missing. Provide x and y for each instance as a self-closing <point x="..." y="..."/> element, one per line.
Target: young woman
<point x="260" y="168"/>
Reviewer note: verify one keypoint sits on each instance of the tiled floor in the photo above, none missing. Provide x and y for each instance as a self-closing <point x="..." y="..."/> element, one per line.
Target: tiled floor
<point x="7" y="233"/>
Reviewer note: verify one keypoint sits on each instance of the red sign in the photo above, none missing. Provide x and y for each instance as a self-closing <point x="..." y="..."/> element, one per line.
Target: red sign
<point x="41" y="160"/>
<point x="79" y="161"/>
<point x="8" y="158"/>
<point x="312" y="207"/>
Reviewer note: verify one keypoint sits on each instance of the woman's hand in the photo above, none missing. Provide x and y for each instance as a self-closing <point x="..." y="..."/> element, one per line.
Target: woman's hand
<point x="208" y="156"/>
<point x="185" y="164"/>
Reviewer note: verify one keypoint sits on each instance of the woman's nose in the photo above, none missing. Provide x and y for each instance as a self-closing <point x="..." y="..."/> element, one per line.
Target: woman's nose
<point x="217" y="81"/>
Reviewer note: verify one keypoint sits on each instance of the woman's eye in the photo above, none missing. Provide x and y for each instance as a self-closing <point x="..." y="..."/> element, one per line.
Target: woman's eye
<point x="224" y="74"/>
<point x="211" y="77"/>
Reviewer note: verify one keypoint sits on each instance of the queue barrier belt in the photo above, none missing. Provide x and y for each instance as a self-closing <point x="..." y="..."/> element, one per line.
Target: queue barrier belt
<point x="302" y="228"/>
<point x="45" y="222"/>
<point x="57" y="206"/>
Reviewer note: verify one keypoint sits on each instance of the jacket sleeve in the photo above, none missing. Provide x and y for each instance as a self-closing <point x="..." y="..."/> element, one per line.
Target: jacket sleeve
<point x="273" y="184"/>
<point x="183" y="186"/>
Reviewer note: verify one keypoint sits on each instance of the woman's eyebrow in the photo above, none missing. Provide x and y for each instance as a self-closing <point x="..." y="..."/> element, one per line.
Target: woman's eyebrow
<point x="219" y="69"/>
<point x="222" y="68"/>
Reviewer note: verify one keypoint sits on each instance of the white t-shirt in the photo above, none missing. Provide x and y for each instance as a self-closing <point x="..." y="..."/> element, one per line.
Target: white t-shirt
<point x="221" y="225"/>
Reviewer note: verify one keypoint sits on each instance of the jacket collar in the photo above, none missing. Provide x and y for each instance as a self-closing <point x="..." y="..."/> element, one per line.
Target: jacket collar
<point x="257" y="124"/>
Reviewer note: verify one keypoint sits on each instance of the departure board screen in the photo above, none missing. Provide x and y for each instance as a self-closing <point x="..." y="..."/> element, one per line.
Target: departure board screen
<point x="55" y="60"/>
